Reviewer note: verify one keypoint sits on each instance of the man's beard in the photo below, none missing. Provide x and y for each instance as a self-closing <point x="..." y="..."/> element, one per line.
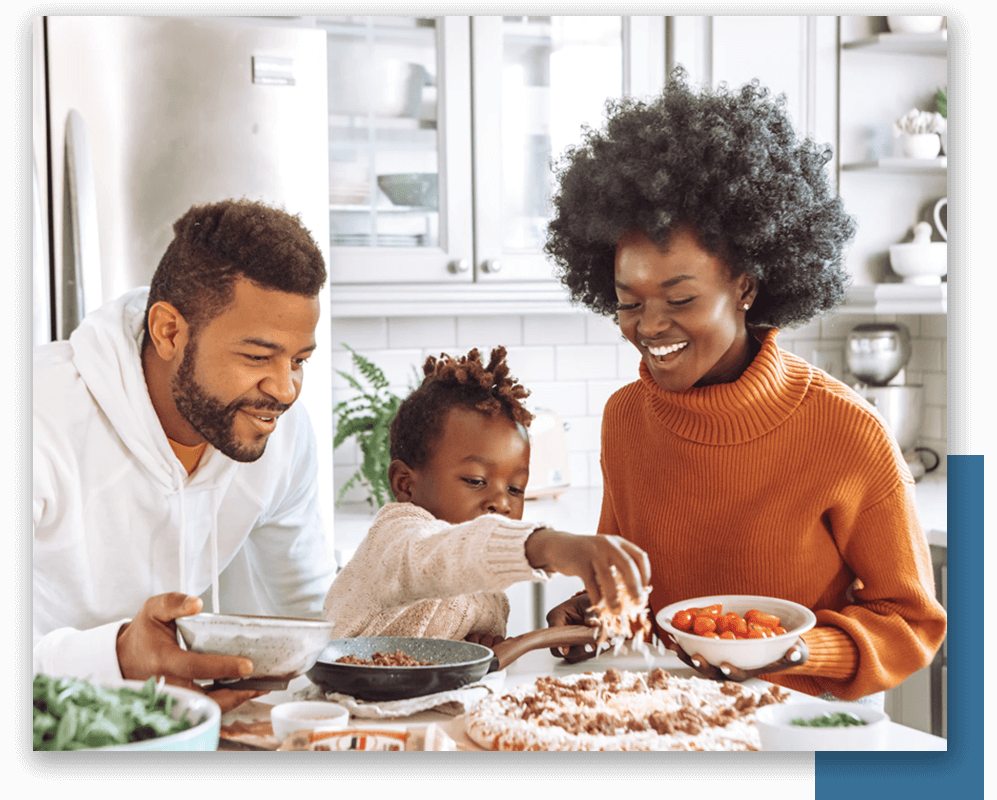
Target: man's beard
<point x="211" y="418"/>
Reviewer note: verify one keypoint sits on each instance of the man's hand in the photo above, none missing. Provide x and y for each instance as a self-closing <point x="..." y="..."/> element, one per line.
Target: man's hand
<point x="147" y="647"/>
<point x="595" y="559"/>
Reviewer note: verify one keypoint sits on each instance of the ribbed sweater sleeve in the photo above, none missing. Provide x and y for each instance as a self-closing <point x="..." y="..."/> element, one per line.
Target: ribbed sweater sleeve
<point x="415" y="575"/>
<point x="785" y="484"/>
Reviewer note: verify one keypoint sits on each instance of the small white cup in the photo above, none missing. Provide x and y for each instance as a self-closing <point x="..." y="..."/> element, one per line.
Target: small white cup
<point x="312" y="715"/>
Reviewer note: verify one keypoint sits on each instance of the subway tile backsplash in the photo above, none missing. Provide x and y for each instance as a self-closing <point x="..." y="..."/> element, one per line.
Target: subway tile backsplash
<point x="572" y="363"/>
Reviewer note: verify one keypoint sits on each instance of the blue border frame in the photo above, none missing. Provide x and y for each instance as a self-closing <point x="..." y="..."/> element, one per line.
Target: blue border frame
<point x="959" y="770"/>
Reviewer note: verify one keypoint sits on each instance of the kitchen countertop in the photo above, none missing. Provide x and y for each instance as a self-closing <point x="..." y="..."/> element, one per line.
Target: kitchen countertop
<point x="540" y="662"/>
<point x="577" y="511"/>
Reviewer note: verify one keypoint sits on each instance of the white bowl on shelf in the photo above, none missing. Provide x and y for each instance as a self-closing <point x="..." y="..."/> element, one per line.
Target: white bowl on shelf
<point x="922" y="263"/>
<point x="911" y="24"/>
<point x="921" y="145"/>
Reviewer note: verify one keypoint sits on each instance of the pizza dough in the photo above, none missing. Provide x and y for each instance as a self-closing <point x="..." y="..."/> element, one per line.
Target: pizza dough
<point x="619" y="710"/>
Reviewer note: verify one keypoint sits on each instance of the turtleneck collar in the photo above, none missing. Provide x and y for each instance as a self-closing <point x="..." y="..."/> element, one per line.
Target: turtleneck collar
<point x="764" y="397"/>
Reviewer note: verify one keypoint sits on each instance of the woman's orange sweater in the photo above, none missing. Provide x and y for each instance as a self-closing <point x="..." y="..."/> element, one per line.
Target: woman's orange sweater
<point x="786" y="484"/>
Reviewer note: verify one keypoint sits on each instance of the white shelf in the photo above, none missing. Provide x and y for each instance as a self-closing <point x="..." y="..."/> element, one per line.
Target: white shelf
<point x="910" y="166"/>
<point x="896" y="298"/>
<point x="466" y="299"/>
<point x="922" y="44"/>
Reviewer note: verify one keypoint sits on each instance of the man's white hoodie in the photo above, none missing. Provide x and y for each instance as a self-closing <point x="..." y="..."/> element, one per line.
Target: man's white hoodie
<point x="117" y="520"/>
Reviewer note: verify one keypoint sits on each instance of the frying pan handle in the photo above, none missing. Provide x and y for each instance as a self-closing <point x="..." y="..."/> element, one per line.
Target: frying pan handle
<point x="508" y="650"/>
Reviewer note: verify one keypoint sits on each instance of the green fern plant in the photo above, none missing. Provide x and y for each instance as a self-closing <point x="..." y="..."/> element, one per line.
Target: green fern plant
<point x="367" y="417"/>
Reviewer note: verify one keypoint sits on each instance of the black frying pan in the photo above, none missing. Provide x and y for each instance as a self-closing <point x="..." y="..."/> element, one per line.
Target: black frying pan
<point x="454" y="663"/>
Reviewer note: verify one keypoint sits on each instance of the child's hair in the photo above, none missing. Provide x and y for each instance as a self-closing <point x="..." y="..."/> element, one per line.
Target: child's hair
<point x="448" y="383"/>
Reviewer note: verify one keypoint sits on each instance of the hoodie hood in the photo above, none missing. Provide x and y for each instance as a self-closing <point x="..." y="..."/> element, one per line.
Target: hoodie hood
<point x="107" y="353"/>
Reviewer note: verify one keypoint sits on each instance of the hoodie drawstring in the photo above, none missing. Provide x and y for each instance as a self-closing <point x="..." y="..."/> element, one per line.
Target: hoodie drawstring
<point x="215" y="602"/>
<point x="183" y="541"/>
<point x="214" y="550"/>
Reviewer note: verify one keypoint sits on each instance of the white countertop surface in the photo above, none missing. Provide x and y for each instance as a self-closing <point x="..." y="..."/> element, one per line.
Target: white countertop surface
<point x="540" y="662"/>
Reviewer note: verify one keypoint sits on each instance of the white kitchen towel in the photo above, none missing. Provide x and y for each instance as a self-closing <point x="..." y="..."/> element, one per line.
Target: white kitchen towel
<point x="454" y="702"/>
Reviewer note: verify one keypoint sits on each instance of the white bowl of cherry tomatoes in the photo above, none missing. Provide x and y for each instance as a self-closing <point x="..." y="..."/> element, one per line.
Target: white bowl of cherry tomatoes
<point x="746" y="631"/>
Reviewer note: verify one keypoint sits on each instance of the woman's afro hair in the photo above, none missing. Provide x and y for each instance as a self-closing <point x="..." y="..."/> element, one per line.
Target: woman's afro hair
<point x="725" y="164"/>
<point x="448" y="383"/>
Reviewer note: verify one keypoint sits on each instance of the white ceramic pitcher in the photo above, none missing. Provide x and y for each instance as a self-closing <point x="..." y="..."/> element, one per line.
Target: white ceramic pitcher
<point x="938" y="218"/>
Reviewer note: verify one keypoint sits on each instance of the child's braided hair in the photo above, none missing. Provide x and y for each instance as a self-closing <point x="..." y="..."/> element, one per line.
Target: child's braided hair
<point x="451" y="382"/>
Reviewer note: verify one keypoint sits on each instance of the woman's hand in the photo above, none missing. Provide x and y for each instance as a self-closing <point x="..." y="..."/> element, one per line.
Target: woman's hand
<point x="573" y="611"/>
<point x="597" y="560"/>
<point x="793" y="657"/>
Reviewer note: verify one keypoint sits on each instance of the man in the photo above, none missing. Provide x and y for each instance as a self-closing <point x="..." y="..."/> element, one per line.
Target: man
<point x="171" y="461"/>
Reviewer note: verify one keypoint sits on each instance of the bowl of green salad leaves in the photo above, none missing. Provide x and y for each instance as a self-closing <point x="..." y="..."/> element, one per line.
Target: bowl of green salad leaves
<point x="821" y="725"/>
<point x="74" y="714"/>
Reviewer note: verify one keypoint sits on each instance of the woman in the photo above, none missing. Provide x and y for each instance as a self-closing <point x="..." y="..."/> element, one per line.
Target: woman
<point x="703" y="224"/>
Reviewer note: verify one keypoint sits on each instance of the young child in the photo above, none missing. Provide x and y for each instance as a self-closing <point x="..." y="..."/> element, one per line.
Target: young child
<point x="435" y="562"/>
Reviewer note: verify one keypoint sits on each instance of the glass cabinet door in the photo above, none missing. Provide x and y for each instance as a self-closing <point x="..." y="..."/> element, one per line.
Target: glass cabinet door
<point x="536" y="81"/>
<point x="399" y="149"/>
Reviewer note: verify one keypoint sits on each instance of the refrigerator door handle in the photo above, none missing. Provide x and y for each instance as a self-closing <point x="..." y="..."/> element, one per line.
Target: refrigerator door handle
<point x="81" y="280"/>
<point x="41" y="316"/>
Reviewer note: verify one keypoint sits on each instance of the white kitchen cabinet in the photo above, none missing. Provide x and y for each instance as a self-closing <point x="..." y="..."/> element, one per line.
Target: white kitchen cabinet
<point x="791" y="55"/>
<point x="882" y="76"/>
<point x="846" y="79"/>
<point x="481" y="105"/>
<point x="399" y="149"/>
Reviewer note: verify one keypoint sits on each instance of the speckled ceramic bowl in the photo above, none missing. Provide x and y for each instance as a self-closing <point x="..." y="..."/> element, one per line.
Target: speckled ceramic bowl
<point x="281" y="648"/>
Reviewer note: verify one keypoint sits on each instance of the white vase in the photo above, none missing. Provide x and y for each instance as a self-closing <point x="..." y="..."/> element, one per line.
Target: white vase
<point x="921" y="145"/>
<point x="945" y="142"/>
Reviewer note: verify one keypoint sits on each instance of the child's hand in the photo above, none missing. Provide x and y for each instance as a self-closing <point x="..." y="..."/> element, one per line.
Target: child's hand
<point x="591" y="558"/>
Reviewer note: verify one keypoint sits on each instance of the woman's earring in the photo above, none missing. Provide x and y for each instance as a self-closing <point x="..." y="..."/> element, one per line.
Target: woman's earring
<point x="746" y="306"/>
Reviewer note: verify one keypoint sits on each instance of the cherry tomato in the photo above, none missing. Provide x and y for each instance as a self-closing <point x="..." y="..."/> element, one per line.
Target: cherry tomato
<point x="761" y="618"/>
<point x="682" y="620"/>
<point x="763" y="630"/>
<point x="703" y="625"/>
<point x="732" y="621"/>
<point x="713" y="611"/>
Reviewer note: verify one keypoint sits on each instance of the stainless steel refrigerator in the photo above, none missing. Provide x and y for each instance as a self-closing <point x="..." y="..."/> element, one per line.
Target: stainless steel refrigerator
<point x="138" y="118"/>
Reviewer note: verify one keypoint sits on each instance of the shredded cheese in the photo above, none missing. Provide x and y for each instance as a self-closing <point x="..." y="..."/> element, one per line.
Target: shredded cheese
<point x="630" y="624"/>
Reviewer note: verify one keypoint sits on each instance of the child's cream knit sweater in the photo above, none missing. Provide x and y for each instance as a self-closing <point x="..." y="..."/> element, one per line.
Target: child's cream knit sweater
<point x="415" y="575"/>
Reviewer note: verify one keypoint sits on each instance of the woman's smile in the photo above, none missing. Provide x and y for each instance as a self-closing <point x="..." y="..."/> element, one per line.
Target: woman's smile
<point x="680" y="307"/>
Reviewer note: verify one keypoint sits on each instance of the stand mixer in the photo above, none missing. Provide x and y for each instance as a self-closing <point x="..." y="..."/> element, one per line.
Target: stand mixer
<point x="876" y="354"/>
